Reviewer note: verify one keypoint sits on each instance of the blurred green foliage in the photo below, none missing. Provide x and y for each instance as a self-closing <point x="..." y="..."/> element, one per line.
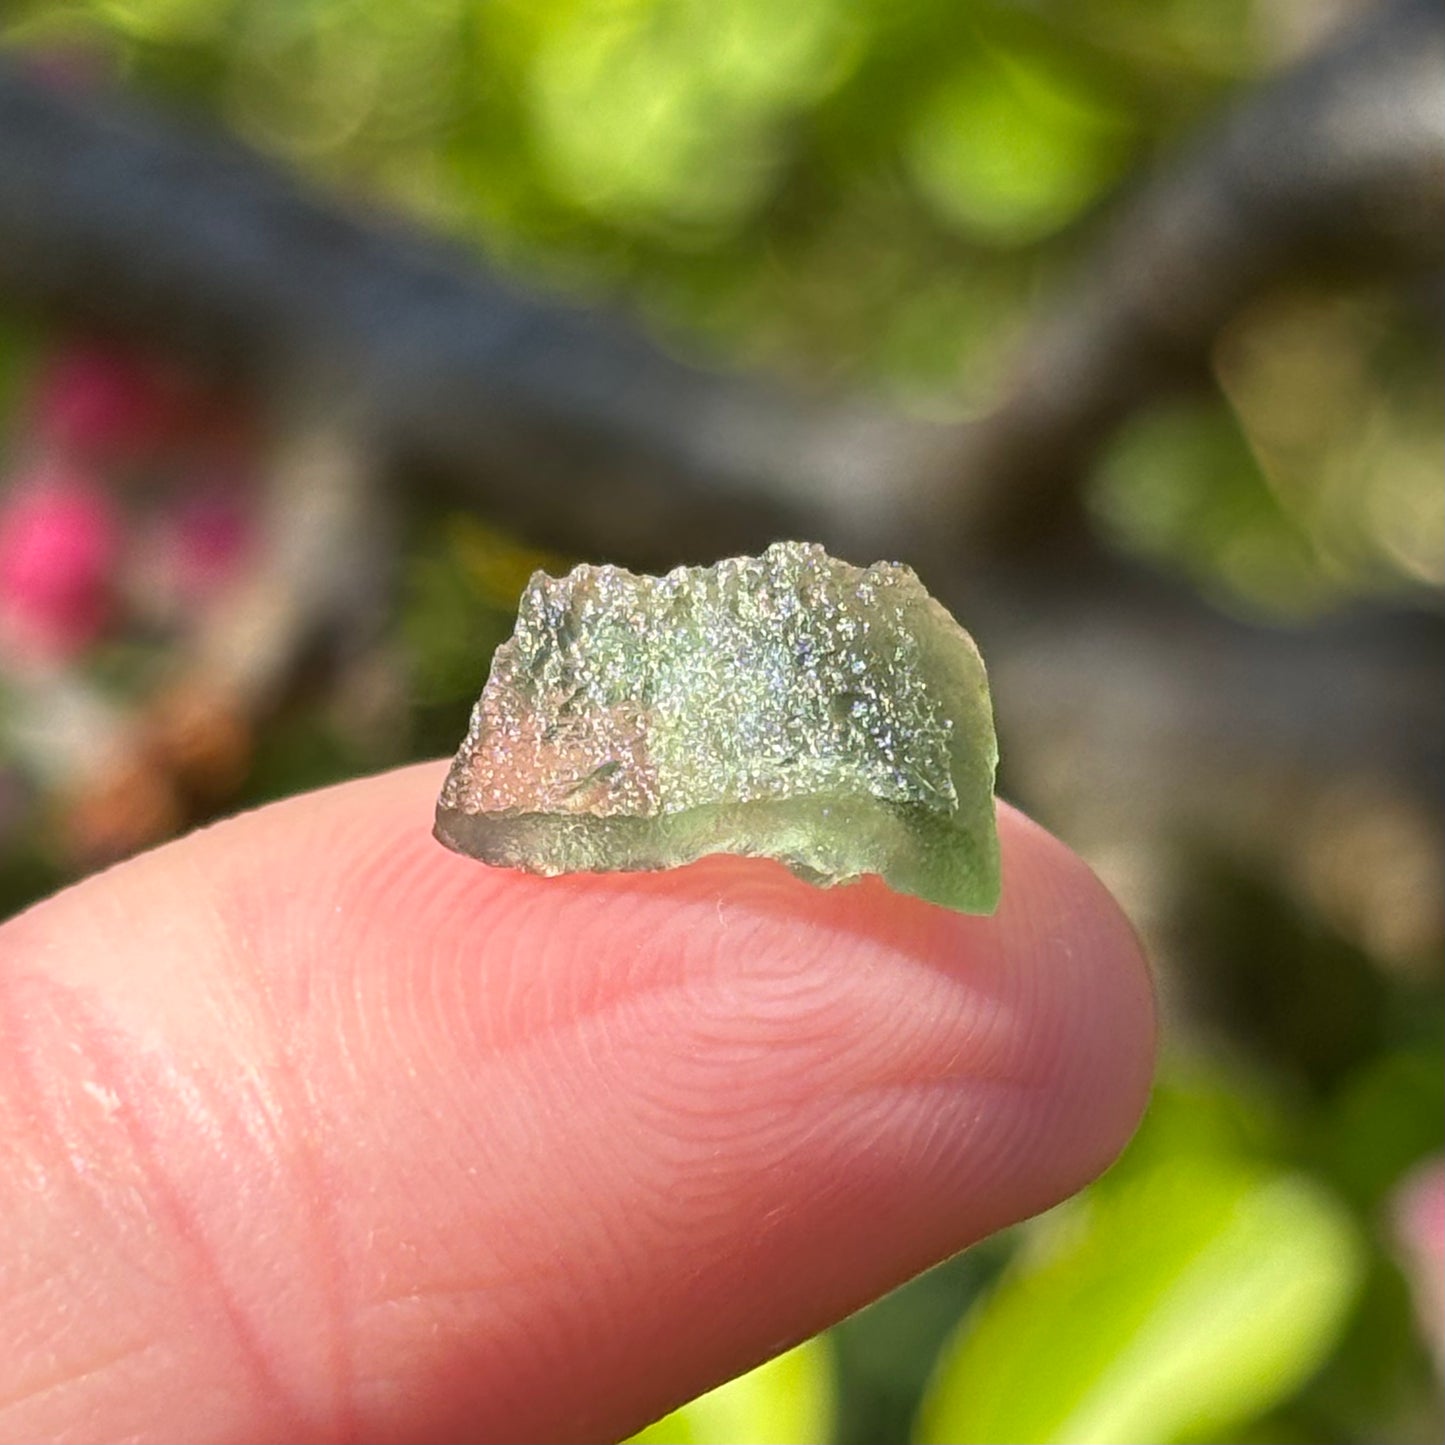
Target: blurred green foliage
<point x="877" y="192"/>
<point x="1181" y="481"/>
<point x="790" y="1400"/>
<point x="1056" y="139"/>
<point x="1193" y="1295"/>
<point x="1174" y="1302"/>
<point x="880" y="193"/>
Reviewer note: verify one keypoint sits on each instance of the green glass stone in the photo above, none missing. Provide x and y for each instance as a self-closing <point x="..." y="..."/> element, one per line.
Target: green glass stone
<point x="787" y="706"/>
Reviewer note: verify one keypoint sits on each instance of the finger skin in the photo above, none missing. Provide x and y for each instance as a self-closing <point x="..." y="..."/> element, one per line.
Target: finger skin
<point x="310" y="1129"/>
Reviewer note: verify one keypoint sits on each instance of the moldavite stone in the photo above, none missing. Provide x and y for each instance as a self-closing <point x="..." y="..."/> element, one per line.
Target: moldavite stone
<point x="789" y="706"/>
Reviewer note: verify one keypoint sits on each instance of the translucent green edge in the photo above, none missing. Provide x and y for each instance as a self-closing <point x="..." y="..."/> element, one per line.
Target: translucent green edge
<point x="825" y="841"/>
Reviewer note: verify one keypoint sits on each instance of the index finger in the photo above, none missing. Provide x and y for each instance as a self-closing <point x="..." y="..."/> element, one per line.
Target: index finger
<point x="318" y="1131"/>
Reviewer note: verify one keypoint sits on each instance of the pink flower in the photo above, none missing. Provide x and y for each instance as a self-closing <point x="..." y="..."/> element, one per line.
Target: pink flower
<point x="60" y="542"/>
<point x="205" y="541"/>
<point x="97" y="401"/>
<point x="1419" y="1220"/>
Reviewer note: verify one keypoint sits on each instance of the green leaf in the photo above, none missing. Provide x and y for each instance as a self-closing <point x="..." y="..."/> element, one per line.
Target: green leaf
<point x="1016" y="144"/>
<point x="1388" y="1115"/>
<point x="1172" y="1308"/>
<point x="788" y="1401"/>
<point x="1181" y="483"/>
<point x="667" y="111"/>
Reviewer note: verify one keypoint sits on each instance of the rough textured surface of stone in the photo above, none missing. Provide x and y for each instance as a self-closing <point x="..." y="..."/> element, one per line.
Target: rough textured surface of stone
<point x="790" y="706"/>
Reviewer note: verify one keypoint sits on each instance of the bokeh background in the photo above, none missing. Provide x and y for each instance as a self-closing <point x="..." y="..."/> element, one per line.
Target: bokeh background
<point x="324" y="322"/>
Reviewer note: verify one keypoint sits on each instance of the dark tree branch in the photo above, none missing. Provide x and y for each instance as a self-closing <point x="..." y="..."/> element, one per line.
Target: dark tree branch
<point x="1337" y="164"/>
<point x="562" y="421"/>
<point x="569" y="425"/>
